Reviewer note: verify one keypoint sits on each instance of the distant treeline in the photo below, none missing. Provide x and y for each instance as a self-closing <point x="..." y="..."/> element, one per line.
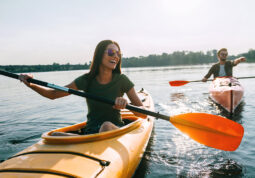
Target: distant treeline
<point x="181" y="58"/>
<point x="44" y="68"/>
<point x="176" y="58"/>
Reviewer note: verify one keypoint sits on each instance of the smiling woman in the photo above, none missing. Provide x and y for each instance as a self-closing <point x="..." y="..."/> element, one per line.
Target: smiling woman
<point x="103" y="80"/>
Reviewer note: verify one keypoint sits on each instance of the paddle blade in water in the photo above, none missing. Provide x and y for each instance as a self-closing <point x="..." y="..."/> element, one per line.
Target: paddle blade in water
<point x="177" y="83"/>
<point x="210" y="130"/>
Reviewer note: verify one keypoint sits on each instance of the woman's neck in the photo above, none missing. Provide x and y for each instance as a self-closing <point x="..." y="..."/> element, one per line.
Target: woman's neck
<point x="104" y="76"/>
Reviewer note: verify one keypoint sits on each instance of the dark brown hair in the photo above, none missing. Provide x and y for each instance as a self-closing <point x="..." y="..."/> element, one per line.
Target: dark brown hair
<point x="222" y="49"/>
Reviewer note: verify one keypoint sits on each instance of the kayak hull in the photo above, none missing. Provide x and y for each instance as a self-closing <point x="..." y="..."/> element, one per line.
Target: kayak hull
<point x="114" y="153"/>
<point x="227" y="92"/>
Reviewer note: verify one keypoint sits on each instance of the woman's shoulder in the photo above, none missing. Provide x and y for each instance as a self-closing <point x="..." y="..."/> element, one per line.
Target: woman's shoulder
<point x="83" y="76"/>
<point x="123" y="81"/>
<point x="81" y="81"/>
<point x="121" y="76"/>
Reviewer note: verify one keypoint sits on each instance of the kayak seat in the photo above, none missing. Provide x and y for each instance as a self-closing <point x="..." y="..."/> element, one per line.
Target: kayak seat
<point x="127" y="119"/>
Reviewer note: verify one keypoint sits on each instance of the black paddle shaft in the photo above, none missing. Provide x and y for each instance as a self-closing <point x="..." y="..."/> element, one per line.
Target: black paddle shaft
<point x="86" y="95"/>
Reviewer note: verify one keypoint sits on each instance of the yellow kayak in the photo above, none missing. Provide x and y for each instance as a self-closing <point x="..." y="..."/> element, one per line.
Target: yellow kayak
<point x="115" y="153"/>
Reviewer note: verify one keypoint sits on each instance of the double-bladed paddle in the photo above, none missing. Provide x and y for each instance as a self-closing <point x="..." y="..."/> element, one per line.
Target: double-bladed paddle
<point x="177" y="83"/>
<point x="210" y="130"/>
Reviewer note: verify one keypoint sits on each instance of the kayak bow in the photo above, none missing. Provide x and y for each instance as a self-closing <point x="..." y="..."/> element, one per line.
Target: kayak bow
<point x="227" y="92"/>
<point x="115" y="153"/>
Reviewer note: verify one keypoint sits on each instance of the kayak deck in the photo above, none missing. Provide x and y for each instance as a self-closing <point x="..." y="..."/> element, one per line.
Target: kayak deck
<point x="227" y="92"/>
<point x="114" y="153"/>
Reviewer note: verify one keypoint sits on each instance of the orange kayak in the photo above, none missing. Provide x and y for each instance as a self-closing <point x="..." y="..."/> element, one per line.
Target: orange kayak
<point x="227" y="92"/>
<point x="115" y="153"/>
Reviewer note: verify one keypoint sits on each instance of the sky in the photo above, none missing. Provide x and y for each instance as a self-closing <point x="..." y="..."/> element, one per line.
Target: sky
<point x="67" y="31"/>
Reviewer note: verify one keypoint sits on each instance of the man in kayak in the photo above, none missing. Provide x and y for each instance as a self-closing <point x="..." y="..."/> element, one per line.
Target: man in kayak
<point x="224" y="67"/>
<point x="105" y="80"/>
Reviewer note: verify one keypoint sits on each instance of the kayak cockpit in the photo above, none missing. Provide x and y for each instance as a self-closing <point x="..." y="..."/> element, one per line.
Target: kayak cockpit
<point x="132" y="121"/>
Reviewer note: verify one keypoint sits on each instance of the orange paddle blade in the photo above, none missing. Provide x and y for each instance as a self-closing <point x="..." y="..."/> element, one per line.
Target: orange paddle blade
<point x="210" y="130"/>
<point x="177" y="83"/>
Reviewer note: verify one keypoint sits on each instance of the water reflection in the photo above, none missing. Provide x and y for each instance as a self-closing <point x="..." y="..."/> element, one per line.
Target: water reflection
<point x="214" y="164"/>
<point x="236" y="116"/>
<point x="177" y="96"/>
<point x="195" y="160"/>
<point x="226" y="168"/>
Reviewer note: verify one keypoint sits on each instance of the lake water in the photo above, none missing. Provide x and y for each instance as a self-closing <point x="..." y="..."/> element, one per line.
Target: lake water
<point x="25" y="115"/>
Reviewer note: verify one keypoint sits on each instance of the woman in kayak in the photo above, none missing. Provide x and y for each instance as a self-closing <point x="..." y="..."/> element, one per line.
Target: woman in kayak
<point x="105" y="80"/>
<point x="224" y="67"/>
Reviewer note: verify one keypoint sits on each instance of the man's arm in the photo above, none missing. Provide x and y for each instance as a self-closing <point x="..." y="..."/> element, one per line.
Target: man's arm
<point x="208" y="75"/>
<point x="238" y="60"/>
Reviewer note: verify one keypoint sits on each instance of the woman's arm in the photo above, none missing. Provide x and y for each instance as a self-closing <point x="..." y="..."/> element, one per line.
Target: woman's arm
<point x="120" y="102"/>
<point x="135" y="100"/>
<point x="43" y="91"/>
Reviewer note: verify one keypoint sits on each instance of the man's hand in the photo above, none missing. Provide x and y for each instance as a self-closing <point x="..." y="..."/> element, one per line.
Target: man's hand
<point x="242" y="59"/>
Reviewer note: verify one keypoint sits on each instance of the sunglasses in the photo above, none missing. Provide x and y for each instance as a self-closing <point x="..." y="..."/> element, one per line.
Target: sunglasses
<point x="112" y="52"/>
<point x="223" y="54"/>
